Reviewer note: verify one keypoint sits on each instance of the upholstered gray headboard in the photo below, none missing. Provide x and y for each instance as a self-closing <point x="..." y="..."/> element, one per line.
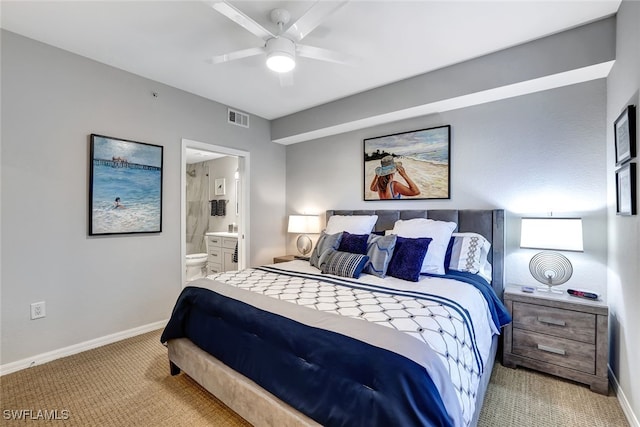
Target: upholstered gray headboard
<point x="489" y="223"/>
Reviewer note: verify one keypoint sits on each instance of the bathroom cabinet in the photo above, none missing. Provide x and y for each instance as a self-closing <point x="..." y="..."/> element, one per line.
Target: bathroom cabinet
<point x="220" y="250"/>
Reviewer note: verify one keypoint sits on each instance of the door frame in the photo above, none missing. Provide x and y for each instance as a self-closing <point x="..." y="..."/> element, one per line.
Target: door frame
<point x="243" y="216"/>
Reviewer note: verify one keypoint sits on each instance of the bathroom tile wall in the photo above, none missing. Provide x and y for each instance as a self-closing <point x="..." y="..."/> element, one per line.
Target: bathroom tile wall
<point x="197" y="209"/>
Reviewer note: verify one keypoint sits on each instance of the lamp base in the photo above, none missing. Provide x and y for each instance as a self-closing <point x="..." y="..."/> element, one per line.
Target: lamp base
<point x="550" y="269"/>
<point x="549" y="289"/>
<point x="304" y="244"/>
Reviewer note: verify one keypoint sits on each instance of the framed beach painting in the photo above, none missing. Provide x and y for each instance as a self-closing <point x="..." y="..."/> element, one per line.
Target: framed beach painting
<point x="409" y="165"/>
<point x="125" y="186"/>
<point x="625" y="135"/>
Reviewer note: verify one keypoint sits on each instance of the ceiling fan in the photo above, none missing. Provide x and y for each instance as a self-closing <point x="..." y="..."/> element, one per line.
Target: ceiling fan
<point x="282" y="48"/>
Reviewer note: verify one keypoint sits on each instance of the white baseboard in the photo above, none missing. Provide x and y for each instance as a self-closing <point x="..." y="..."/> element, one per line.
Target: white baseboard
<point x="624" y="403"/>
<point x="78" y="348"/>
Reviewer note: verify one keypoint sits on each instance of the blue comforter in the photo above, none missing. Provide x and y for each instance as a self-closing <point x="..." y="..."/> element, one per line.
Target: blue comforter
<point x="319" y="372"/>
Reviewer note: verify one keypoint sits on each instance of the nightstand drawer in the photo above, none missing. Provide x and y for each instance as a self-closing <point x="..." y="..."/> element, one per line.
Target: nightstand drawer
<point x="569" y="324"/>
<point x="567" y="353"/>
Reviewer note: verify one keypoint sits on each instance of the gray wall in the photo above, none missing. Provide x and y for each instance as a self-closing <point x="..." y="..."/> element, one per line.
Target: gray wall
<point x="623" y="85"/>
<point x="578" y="48"/>
<point x="96" y="286"/>
<point x="529" y="155"/>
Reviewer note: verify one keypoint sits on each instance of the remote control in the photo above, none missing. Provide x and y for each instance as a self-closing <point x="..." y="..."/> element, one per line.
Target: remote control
<point x="528" y="289"/>
<point x="583" y="294"/>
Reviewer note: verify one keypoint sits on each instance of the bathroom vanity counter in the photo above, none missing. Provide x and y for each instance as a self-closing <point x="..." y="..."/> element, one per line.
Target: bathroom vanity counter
<point x="222" y="234"/>
<point x="221" y="248"/>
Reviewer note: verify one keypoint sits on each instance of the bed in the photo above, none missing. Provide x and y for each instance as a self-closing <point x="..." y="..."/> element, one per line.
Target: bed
<point x="320" y="343"/>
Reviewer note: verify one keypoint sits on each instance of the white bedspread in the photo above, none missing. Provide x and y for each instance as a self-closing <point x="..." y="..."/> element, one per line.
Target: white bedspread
<point x="451" y="316"/>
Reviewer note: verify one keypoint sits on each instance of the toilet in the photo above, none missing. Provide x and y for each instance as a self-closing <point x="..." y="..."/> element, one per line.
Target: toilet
<point x="196" y="266"/>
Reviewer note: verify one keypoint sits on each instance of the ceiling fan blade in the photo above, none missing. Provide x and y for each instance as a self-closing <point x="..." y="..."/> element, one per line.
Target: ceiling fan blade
<point x="241" y="19"/>
<point x="312" y="18"/>
<point x="238" y="54"/>
<point x="286" y="79"/>
<point x="324" y="54"/>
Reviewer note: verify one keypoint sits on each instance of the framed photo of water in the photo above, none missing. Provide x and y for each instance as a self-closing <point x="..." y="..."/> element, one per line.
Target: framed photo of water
<point x="408" y="166"/>
<point x="125" y="186"/>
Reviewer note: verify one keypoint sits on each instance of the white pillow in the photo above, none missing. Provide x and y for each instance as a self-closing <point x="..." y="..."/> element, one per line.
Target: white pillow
<point x="438" y="231"/>
<point x="354" y="224"/>
<point x="469" y="253"/>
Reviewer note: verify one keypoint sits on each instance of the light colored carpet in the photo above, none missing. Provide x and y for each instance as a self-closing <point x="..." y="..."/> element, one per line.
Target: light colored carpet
<point x="128" y="384"/>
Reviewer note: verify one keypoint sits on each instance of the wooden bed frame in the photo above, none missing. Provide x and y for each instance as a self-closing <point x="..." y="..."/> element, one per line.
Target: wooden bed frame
<point x="261" y="408"/>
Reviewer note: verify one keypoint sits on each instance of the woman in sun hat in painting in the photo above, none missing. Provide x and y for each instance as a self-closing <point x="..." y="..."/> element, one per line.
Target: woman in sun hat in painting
<point x="384" y="184"/>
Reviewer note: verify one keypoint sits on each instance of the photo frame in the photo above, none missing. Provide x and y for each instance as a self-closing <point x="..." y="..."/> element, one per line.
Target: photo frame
<point x="125" y="186"/>
<point x="625" y="135"/>
<point x="410" y="165"/>
<point x="626" y="190"/>
<point x="220" y="187"/>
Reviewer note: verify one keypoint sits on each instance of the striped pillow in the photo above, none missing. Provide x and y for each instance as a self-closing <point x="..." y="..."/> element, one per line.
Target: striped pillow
<point x="343" y="264"/>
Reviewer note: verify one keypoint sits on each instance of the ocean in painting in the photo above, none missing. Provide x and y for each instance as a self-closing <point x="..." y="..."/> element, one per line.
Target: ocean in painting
<point x="428" y="145"/>
<point x="139" y="192"/>
<point x="440" y="157"/>
<point x="137" y="181"/>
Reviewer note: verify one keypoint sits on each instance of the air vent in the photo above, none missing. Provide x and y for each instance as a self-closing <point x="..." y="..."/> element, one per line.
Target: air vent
<point x="238" y="118"/>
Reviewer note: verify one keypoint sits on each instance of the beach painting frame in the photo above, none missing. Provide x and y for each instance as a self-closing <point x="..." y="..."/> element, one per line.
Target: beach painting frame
<point x="411" y="165"/>
<point x="125" y="186"/>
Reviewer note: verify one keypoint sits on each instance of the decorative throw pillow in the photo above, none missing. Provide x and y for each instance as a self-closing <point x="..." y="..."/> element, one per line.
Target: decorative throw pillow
<point x="469" y="253"/>
<point x="325" y="242"/>
<point x="408" y="256"/>
<point x="343" y="264"/>
<point x="380" y="250"/>
<point x="355" y="224"/>
<point x="354" y="243"/>
<point x="438" y="231"/>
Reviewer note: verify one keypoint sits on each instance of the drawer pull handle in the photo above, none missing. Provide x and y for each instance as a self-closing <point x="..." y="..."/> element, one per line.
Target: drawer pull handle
<point x="551" y="321"/>
<point x="551" y="349"/>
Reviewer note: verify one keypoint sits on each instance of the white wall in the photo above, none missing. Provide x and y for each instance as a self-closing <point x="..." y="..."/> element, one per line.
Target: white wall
<point x="529" y="155"/>
<point x="623" y="85"/>
<point x="97" y="286"/>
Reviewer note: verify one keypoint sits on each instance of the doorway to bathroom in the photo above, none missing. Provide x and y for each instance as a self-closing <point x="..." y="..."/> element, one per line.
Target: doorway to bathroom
<point x="215" y="207"/>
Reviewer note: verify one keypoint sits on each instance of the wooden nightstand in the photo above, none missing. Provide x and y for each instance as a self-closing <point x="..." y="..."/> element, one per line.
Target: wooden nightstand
<point x="558" y="334"/>
<point x="283" y="258"/>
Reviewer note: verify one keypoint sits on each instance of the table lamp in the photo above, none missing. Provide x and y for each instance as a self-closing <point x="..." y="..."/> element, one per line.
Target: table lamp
<point x="303" y="225"/>
<point x="563" y="234"/>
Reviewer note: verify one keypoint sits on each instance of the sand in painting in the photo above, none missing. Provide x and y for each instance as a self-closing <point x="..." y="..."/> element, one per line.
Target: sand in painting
<point x="431" y="178"/>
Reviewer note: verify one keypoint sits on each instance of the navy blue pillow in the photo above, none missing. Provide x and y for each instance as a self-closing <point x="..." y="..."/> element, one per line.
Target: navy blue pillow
<point x="343" y="264"/>
<point x="448" y="254"/>
<point x="407" y="258"/>
<point x="354" y="243"/>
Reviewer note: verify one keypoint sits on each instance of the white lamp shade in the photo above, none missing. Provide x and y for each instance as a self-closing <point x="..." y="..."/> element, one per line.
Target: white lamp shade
<point x="564" y="234"/>
<point x="304" y="224"/>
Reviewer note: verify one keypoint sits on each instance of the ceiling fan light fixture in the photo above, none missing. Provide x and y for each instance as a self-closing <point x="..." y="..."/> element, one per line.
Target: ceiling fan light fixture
<point x="280" y="63"/>
<point x="281" y="54"/>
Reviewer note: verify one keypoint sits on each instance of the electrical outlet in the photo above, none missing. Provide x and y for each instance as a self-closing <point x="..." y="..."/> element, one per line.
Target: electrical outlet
<point x="37" y="310"/>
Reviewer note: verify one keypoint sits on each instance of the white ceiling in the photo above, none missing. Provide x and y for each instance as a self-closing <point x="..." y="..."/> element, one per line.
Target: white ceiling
<point x="170" y="41"/>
